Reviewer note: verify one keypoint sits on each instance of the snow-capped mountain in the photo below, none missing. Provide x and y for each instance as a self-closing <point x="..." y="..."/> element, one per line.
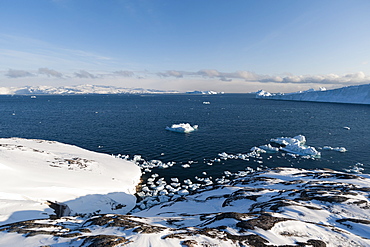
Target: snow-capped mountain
<point x="79" y="89"/>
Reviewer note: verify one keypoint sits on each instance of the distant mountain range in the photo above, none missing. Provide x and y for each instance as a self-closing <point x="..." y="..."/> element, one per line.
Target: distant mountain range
<point x="88" y="89"/>
<point x="352" y="94"/>
<point x="79" y="89"/>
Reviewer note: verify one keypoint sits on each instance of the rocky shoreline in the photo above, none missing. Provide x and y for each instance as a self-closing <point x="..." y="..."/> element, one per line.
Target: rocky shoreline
<point x="275" y="207"/>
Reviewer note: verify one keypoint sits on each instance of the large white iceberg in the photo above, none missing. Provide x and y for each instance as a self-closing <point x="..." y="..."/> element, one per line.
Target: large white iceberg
<point x="182" y="128"/>
<point x="353" y="94"/>
<point x="36" y="174"/>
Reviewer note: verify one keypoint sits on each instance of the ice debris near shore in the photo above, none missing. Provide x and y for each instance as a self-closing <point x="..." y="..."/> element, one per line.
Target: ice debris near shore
<point x="274" y="207"/>
<point x="38" y="178"/>
<point x="292" y="145"/>
<point x="182" y="128"/>
<point x="352" y="94"/>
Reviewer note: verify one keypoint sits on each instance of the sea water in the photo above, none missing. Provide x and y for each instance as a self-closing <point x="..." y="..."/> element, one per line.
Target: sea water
<point x="229" y="123"/>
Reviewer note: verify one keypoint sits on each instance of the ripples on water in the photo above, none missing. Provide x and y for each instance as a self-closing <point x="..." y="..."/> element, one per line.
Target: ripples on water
<point x="231" y="123"/>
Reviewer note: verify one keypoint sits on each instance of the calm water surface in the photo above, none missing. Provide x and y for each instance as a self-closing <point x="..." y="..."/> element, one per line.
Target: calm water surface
<point x="231" y="123"/>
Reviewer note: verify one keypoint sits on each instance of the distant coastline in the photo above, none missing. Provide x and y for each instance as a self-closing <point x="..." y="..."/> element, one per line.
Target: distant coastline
<point x="352" y="95"/>
<point x="91" y="89"/>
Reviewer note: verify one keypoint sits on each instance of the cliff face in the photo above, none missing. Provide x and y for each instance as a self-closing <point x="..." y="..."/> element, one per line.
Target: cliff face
<point x="352" y="95"/>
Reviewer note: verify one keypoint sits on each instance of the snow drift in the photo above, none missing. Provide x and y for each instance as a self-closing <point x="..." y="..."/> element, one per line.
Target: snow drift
<point x="37" y="175"/>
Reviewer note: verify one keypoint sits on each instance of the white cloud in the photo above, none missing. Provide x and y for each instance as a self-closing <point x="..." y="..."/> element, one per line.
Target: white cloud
<point x="13" y="73"/>
<point x="84" y="74"/>
<point x="173" y="73"/>
<point x="248" y="76"/>
<point x="124" y="73"/>
<point x="208" y="79"/>
<point x="50" y="72"/>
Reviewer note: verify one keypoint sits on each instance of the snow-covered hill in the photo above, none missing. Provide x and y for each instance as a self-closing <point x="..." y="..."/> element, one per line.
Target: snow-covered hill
<point x="352" y="94"/>
<point x="53" y="194"/>
<point x="80" y="89"/>
<point x="37" y="175"/>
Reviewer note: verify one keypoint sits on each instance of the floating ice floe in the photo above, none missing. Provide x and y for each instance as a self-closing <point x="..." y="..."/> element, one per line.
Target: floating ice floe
<point x="182" y="128"/>
<point x="338" y="149"/>
<point x="296" y="145"/>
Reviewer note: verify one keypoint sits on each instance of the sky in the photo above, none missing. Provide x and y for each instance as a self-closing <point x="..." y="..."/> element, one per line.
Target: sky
<point x="232" y="46"/>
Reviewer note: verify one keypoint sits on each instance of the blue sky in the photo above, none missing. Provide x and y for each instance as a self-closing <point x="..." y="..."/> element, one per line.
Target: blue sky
<point x="228" y="45"/>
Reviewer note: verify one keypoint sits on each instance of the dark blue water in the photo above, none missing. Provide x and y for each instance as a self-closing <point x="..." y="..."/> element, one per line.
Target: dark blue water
<point x="232" y="123"/>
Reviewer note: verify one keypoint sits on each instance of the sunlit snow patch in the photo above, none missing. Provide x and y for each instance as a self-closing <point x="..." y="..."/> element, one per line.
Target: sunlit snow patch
<point x="296" y="145"/>
<point x="38" y="174"/>
<point x="182" y="128"/>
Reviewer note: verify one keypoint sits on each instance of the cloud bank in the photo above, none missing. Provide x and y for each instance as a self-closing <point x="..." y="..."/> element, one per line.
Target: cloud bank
<point x="238" y="81"/>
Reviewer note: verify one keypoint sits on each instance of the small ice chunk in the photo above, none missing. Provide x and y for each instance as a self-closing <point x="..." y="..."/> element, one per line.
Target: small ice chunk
<point x="269" y="148"/>
<point x="187" y="181"/>
<point x="183" y="192"/>
<point x="182" y="128"/>
<point x="340" y="149"/>
<point x="258" y="150"/>
<point x="175" y="185"/>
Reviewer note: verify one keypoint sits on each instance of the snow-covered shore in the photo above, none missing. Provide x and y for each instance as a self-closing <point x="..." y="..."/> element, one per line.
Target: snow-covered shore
<point x="36" y="174"/>
<point x="281" y="206"/>
<point x="352" y="94"/>
<point x="54" y="194"/>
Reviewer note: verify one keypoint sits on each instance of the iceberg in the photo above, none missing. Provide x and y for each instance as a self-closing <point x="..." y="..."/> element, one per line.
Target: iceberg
<point x="204" y="92"/>
<point x="352" y="95"/>
<point x="182" y="128"/>
<point x="296" y="145"/>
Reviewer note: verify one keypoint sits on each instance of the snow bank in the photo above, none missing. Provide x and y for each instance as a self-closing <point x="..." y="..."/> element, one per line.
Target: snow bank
<point x="37" y="173"/>
<point x="352" y="94"/>
<point x="182" y="128"/>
